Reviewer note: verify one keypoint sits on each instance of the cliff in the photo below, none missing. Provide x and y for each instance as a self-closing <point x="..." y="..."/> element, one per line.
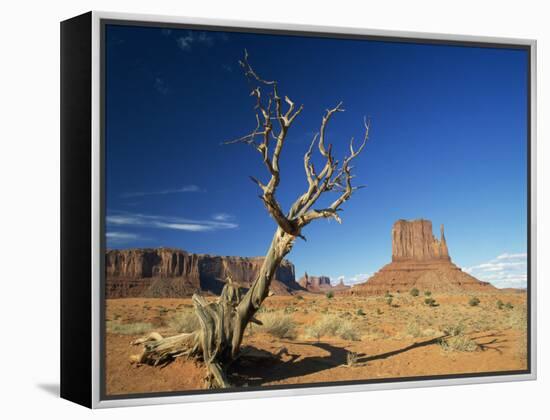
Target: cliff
<point x="414" y="240"/>
<point x="318" y="284"/>
<point x="419" y="260"/>
<point x="315" y="283"/>
<point x="165" y="272"/>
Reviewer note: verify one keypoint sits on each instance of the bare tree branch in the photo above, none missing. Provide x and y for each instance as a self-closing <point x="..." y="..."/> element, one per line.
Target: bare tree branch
<point x="332" y="177"/>
<point x="222" y="323"/>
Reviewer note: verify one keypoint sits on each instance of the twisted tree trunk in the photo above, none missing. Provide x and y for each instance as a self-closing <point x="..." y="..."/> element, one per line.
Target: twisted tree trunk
<point x="222" y="323"/>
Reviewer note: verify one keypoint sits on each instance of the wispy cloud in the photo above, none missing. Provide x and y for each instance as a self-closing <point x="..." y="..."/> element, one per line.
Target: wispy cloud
<point x="222" y="217"/>
<point x="160" y="86"/>
<point x="184" y="189"/>
<point x="191" y="39"/>
<point x="505" y="270"/>
<point x="117" y="238"/>
<point x="168" y="222"/>
<point x="351" y="280"/>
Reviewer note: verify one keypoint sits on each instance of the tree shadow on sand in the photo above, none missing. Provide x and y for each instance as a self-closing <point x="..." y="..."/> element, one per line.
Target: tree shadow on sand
<point x="492" y="341"/>
<point x="279" y="370"/>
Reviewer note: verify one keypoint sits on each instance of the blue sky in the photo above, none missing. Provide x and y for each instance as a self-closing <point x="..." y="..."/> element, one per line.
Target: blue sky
<point x="448" y="143"/>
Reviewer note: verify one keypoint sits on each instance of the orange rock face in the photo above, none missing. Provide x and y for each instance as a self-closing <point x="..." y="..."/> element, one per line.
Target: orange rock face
<point x="419" y="260"/>
<point x="315" y="283"/>
<point x="166" y="272"/>
<point x="414" y="240"/>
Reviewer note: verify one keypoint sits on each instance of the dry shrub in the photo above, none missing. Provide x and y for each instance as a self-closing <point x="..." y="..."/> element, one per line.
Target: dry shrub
<point x="135" y="328"/>
<point x="332" y="326"/>
<point x="454" y="330"/>
<point x="517" y="318"/>
<point x="458" y="343"/>
<point x="184" y="322"/>
<point x="414" y="330"/>
<point x="278" y="325"/>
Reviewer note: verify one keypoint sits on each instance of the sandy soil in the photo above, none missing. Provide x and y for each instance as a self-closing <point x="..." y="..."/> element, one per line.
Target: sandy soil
<point x="405" y="339"/>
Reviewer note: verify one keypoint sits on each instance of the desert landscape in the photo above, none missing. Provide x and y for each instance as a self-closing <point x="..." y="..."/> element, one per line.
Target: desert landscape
<point x="222" y="305"/>
<point x="420" y="315"/>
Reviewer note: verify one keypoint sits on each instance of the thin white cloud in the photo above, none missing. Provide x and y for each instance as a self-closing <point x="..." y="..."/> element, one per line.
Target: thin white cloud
<point x="191" y="39"/>
<point x="121" y="235"/>
<point x="118" y="238"/>
<point x="184" y="189"/>
<point x="505" y="270"/>
<point x="512" y="256"/>
<point x="168" y="222"/>
<point x="222" y="217"/>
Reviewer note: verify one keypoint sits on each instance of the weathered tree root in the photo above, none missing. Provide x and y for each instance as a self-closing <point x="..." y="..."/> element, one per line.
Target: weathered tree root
<point x="211" y="342"/>
<point x="159" y="350"/>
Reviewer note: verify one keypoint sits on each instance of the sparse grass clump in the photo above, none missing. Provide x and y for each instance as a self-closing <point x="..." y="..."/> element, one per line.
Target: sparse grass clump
<point x="430" y="302"/>
<point x="389" y="300"/>
<point x="414" y="292"/>
<point x="360" y="312"/>
<point x="474" y="301"/>
<point x="333" y="326"/>
<point x="501" y="305"/>
<point x="427" y="293"/>
<point x="517" y="318"/>
<point x="413" y="329"/>
<point x="134" y="328"/>
<point x="329" y="294"/>
<point x="347" y="331"/>
<point x="278" y="325"/>
<point x="458" y="343"/>
<point x="454" y="330"/>
<point x="184" y="322"/>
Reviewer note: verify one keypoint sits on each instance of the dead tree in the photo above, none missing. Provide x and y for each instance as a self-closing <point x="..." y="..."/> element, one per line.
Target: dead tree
<point x="223" y="322"/>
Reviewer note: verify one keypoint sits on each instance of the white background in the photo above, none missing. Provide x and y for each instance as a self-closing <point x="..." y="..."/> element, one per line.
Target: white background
<point x="29" y="231"/>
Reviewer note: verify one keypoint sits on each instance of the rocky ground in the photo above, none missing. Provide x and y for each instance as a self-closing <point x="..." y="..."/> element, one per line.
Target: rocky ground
<point x="322" y="339"/>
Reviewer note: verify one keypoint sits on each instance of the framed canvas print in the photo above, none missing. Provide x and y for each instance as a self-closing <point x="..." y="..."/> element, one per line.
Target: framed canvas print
<point x="253" y="209"/>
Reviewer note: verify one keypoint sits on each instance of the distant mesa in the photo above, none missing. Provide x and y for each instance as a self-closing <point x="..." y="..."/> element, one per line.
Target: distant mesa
<point x="169" y="272"/>
<point x="420" y="260"/>
<point x="318" y="284"/>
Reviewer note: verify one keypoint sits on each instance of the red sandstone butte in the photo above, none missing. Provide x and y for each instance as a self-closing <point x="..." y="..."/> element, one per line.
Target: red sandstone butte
<point x="420" y="260"/>
<point x="317" y="284"/>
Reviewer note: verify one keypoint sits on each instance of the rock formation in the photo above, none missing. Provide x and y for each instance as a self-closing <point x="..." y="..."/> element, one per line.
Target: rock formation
<point x="414" y="240"/>
<point x="314" y="283"/>
<point x="318" y="284"/>
<point x="166" y="272"/>
<point x="419" y="260"/>
<point x="340" y="286"/>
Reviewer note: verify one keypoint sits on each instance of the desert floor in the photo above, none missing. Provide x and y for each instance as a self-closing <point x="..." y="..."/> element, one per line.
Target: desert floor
<point x="331" y="339"/>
